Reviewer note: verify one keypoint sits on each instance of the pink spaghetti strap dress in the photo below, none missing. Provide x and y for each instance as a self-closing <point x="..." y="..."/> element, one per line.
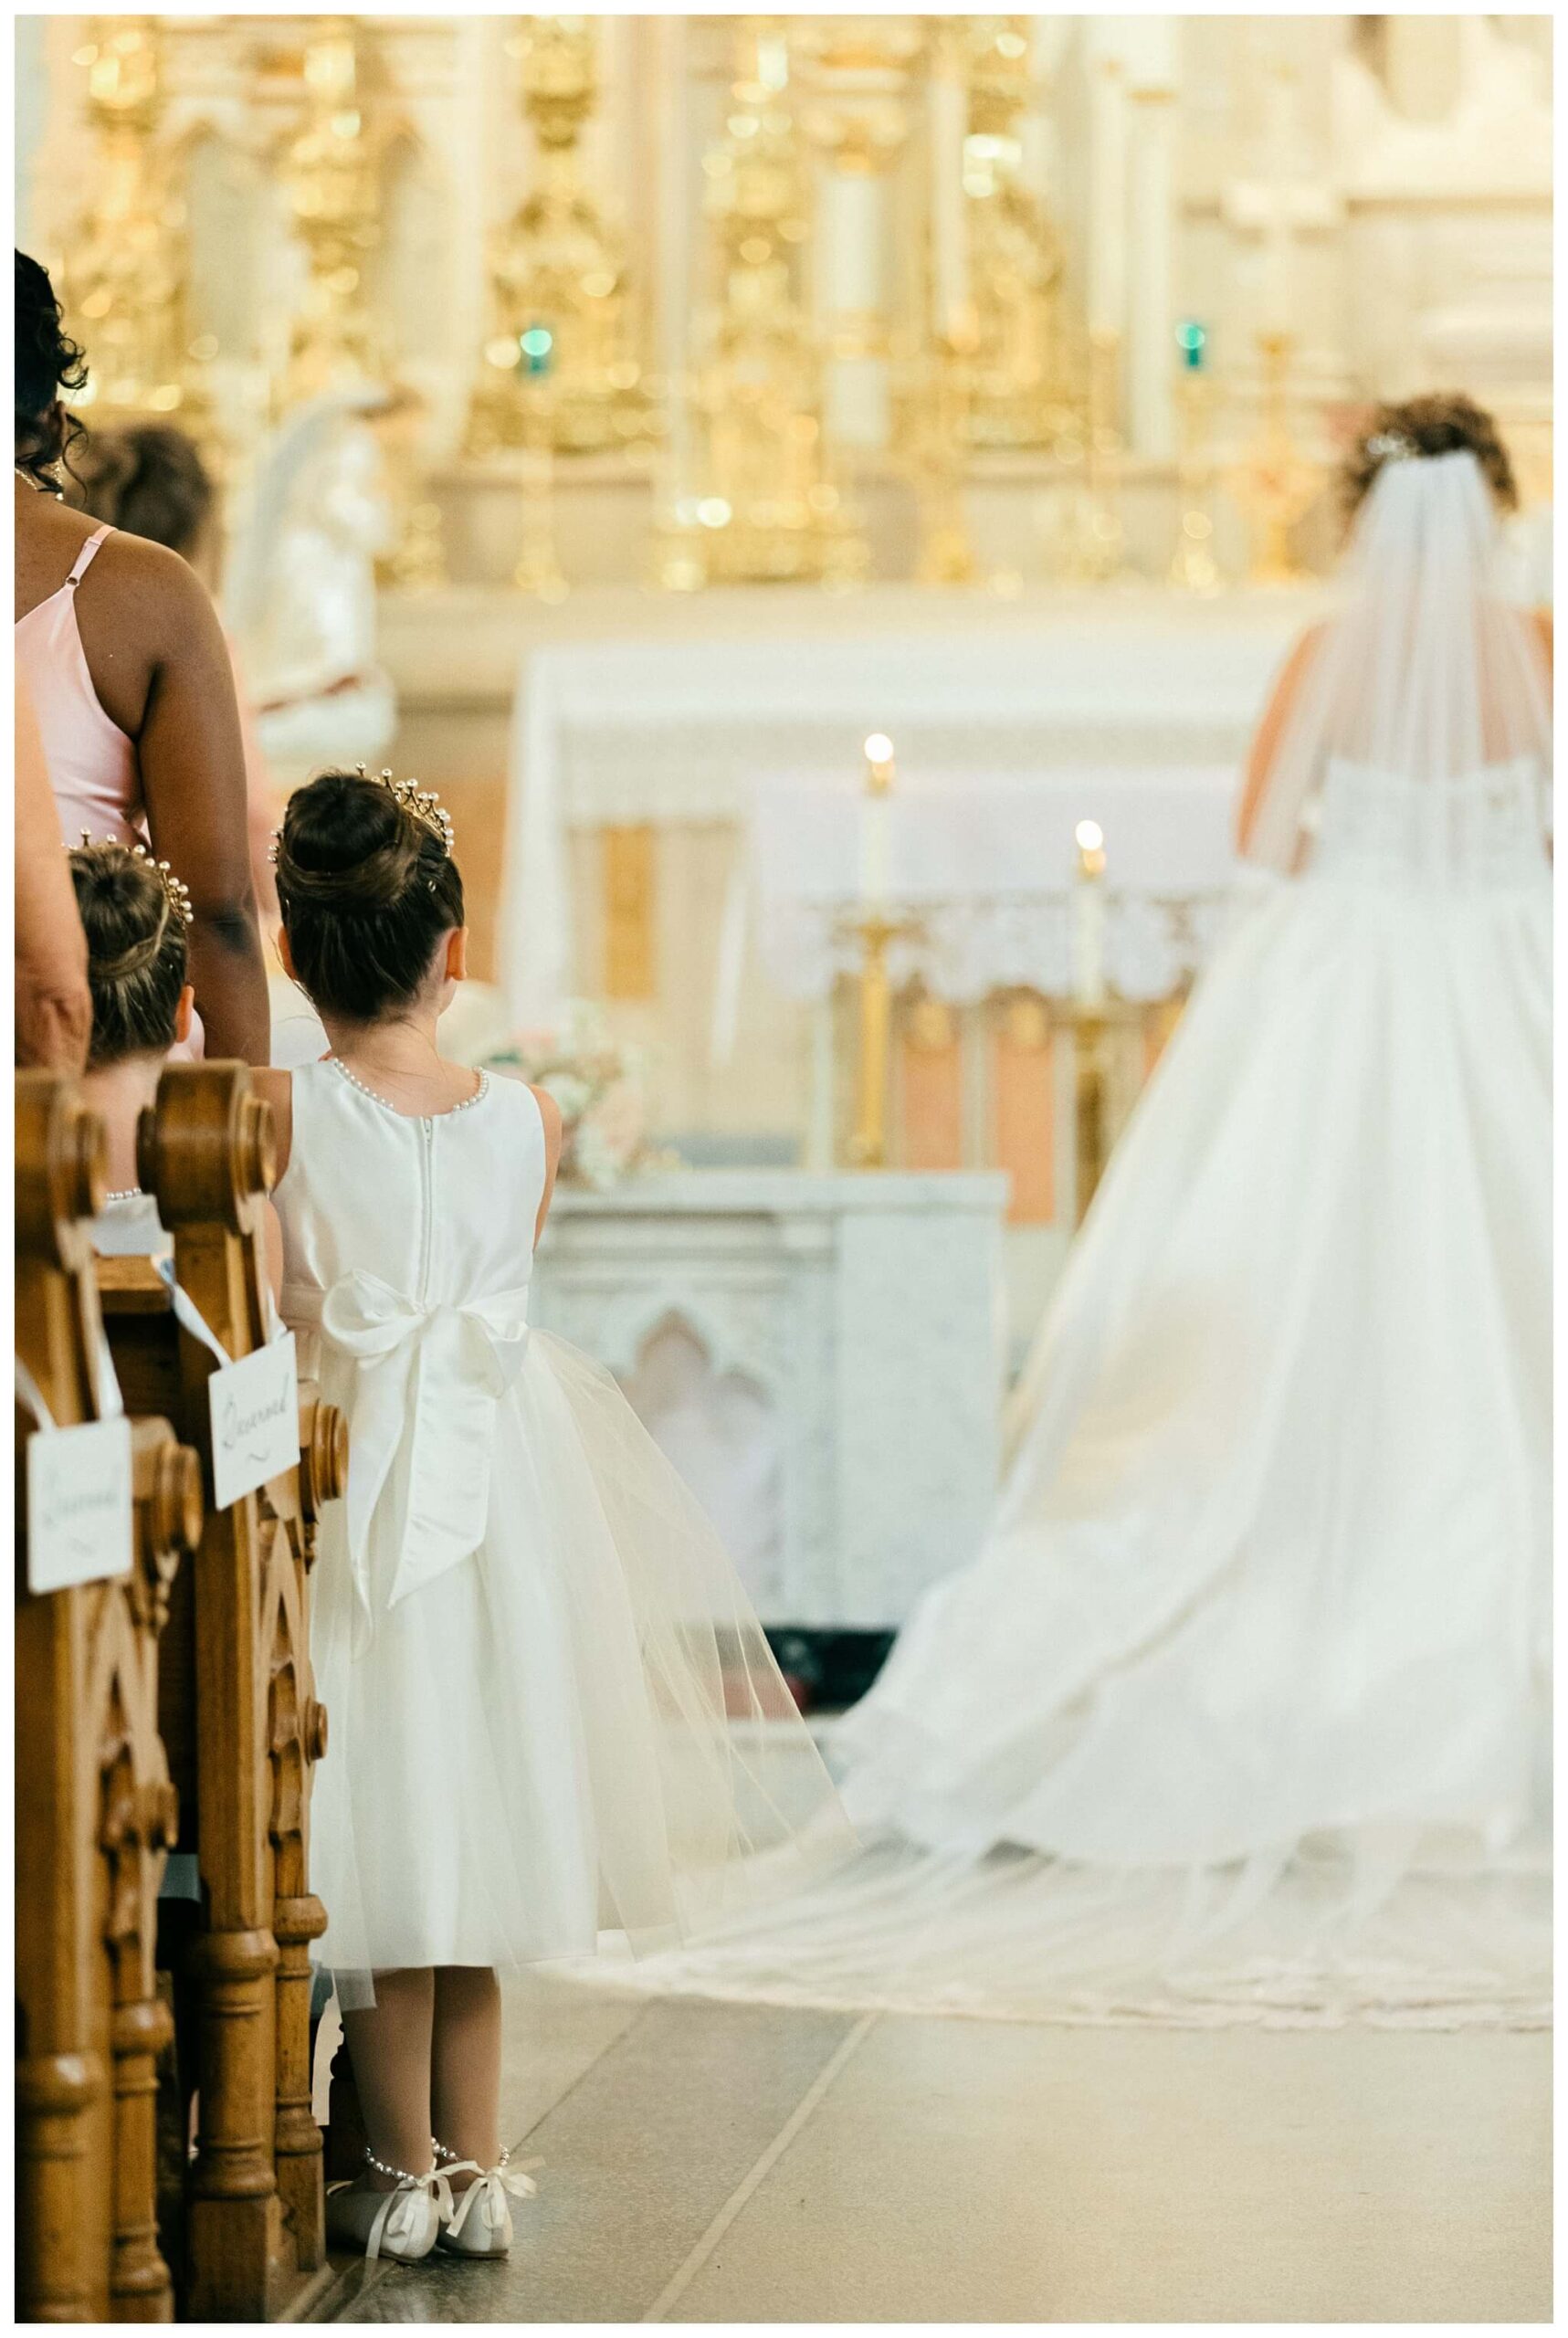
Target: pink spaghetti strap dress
<point x="93" y="766"/>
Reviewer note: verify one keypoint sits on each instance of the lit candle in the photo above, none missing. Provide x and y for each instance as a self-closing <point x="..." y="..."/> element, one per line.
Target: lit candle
<point x="876" y="810"/>
<point x="1088" y="915"/>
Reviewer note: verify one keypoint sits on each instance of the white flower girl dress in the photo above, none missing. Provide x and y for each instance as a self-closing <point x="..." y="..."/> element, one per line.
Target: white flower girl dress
<point x="552" y="1711"/>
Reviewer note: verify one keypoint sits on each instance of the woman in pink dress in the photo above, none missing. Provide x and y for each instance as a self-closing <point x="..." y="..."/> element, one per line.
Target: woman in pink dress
<point x="131" y="681"/>
<point x="148" y="479"/>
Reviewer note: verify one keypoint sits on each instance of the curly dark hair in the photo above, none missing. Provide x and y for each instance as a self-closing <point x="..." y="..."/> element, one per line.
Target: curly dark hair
<point x="366" y="892"/>
<point x="1445" y="424"/>
<point x="148" y="479"/>
<point x="47" y="361"/>
<point x="136" y="954"/>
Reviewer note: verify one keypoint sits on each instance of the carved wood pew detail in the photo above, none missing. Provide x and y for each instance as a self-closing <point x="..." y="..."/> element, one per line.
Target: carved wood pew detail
<point x="240" y="1714"/>
<point x="95" y="1808"/>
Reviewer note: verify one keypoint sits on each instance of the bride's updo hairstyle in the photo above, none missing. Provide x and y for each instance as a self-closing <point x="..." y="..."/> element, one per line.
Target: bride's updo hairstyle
<point x="48" y="362"/>
<point x="134" y="913"/>
<point x="1449" y="423"/>
<point x="368" y="889"/>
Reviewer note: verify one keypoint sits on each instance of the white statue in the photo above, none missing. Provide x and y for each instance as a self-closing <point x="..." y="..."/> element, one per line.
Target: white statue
<point x="300" y="596"/>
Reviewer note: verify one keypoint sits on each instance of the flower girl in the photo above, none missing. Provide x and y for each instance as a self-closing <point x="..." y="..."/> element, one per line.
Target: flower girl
<point x="530" y="1646"/>
<point x="135" y="914"/>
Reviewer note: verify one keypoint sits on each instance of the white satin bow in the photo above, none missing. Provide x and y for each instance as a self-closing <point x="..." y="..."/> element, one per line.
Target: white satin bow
<point x="486" y="2197"/>
<point x="404" y="2215"/>
<point x="429" y="1379"/>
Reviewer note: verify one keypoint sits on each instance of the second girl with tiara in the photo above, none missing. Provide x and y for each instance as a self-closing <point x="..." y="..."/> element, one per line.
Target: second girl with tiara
<point x="532" y="1648"/>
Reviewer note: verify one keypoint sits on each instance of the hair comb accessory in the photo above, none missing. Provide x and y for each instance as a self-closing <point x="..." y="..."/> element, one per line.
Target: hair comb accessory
<point x="1392" y="447"/>
<point x="421" y="804"/>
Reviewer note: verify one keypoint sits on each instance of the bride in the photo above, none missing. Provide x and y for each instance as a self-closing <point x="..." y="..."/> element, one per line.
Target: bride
<point x="1240" y="1712"/>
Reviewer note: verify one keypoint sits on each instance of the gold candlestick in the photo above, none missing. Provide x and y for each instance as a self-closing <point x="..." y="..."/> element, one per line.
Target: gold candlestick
<point x="1090" y="1144"/>
<point x="1095" y="1028"/>
<point x="538" y="569"/>
<point x="868" y="1143"/>
<point x="876" y="932"/>
<point x="1275" y="484"/>
<point x="1194" y="568"/>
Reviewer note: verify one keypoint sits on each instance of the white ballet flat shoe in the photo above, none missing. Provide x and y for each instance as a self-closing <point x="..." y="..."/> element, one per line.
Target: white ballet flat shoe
<point x="404" y="2224"/>
<point x="480" y="2223"/>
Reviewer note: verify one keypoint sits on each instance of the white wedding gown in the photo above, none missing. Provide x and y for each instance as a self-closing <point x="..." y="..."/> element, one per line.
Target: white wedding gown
<point x="1241" y="1711"/>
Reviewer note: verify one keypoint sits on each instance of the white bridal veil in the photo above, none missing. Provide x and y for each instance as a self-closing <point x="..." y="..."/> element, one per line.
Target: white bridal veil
<point x="1425" y="674"/>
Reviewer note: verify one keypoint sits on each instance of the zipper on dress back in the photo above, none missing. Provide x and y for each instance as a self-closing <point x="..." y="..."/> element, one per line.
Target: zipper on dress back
<point x="427" y="1226"/>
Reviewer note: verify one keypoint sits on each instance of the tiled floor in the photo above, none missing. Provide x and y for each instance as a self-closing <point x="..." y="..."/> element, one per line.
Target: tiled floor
<point x="731" y="2163"/>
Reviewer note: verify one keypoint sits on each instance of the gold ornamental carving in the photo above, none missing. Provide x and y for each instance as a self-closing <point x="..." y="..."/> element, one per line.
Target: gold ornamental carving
<point x="1026" y="372"/>
<point x="331" y="176"/>
<point x="558" y="277"/>
<point x="770" y="510"/>
<point x="124" y="279"/>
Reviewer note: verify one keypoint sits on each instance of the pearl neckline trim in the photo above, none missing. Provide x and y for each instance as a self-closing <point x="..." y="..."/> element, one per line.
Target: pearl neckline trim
<point x="481" y="1093"/>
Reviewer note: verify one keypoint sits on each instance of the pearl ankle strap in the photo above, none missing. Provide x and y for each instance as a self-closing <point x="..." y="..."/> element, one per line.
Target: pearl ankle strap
<point x="398" y="2174"/>
<point x="456" y="2159"/>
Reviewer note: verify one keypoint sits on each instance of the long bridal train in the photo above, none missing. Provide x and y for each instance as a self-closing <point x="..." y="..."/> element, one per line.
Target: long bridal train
<point x="1241" y="1712"/>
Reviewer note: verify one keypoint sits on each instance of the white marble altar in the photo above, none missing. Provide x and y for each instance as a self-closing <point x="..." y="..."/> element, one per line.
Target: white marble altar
<point x="674" y="725"/>
<point x="822" y="1357"/>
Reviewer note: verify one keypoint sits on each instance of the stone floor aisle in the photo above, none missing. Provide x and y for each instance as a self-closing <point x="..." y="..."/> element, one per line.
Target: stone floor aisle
<point x="721" y="2163"/>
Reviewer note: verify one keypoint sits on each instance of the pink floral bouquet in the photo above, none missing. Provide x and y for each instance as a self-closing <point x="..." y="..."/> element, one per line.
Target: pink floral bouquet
<point x="599" y="1084"/>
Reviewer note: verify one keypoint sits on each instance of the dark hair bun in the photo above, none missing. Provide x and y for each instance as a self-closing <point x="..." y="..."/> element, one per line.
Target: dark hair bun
<point x="135" y="951"/>
<point x="46" y="362"/>
<point x="1449" y="424"/>
<point x="366" y="892"/>
<point x="148" y="479"/>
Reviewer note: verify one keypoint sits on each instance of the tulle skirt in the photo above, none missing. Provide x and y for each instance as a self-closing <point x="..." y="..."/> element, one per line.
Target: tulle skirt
<point x="576" y="1732"/>
<point x="1242" y="1710"/>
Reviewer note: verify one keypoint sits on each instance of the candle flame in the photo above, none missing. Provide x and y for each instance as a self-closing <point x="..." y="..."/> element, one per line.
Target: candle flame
<point x="878" y="748"/>
<point x="1089" y="836"/>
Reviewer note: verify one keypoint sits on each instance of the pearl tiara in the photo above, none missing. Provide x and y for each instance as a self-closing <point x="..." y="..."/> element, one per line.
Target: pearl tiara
<point x="177" y="895"/>
<point x="1392" y="447"/>
<point x="421" y="804"/>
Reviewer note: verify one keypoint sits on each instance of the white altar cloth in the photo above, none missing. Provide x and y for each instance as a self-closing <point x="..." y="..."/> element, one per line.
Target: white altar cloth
<point x="680" y="730"/>
<point x="987" y="868"/>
